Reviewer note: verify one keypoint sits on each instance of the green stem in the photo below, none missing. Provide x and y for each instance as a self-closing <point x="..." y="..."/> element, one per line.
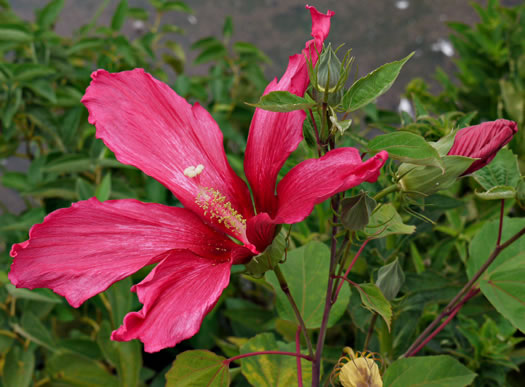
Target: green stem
<point x="286" y="290"/>
<point x="386" y="191"/>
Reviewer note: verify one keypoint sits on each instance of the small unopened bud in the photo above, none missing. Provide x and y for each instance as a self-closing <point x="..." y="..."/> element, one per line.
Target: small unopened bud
<point x="356" y="211"/>
<point x="390" y="278"/>
<point x="329" y="76"/>
<point x="328" y="71"/>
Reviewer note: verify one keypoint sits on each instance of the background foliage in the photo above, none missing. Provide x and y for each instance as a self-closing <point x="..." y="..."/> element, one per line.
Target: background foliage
<point x="45" y="342"/>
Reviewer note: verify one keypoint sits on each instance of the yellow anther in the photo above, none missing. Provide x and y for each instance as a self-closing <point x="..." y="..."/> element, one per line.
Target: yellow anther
<point x="216" y="207"/>
<point x="192" y="171"/>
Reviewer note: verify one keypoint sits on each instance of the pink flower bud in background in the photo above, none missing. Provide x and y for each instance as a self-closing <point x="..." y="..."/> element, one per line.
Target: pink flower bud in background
<point x="482" y="141"/>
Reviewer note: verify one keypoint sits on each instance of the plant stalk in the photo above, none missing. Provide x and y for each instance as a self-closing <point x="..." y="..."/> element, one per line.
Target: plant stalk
<point x="316" y="367"/>
<point x="286" y="290"/>
<point x="450" y="307"/>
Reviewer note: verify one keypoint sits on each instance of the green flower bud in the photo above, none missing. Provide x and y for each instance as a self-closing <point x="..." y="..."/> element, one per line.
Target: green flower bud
<point x="356" y="211"/>
<point x="390" y="279"/>
<point x="329" y="76"/>
<point x="328" y="71"/>
<point x="427" y="180"/>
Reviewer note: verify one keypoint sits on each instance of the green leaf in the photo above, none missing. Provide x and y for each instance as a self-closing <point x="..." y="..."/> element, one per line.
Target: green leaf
<point x="198" y="368"/>
<point x="30" y="71"/>
<point x="84" y="189"/>
<point x="75" y="370"/>
<point x="119" y="17"/>
<point x="272" y="370"/>
<point x="502" y="171"/>
<point x="245" y="48"/>
<point x="18" y="367"/>
<point x="306" y="271"/>
<point x="406" y="147"/>
<point x="138" y="13"/>
<point x="42" y="88"/>
<point x="103" y="190"/>
<point x="227" y="29"/>
<point x="15" y="33"/>
<point x="126" y="357"/>
<point x="63" y="188"/>
<point x="119" y="297"/>
<point x="428" y="371"/>
<point x="86" y="44"/>
<point x="15" y="180"/>
<point x="69" y="163"/>
<point x="368" y="88"/>
<point x="282" y="101"/>
<point x="484" y="242"/>
<point x="40" y="295"/>
<point x="48" y="15"/>
<point x="178" y="6"/>
<point x="504" y="281"/>
<point x="386" y="221"/>
<point x="375" y="301"/>
<point x="32" y="329"/>
<point x="11" y="107"/>
<point x="212" y="52"/>
<point x="504" y="287"/>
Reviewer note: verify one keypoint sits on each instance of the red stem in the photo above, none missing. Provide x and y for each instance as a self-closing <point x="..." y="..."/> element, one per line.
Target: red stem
<point x="348" y="270"/>
<point x="502" y="210"/>
<point x="298" y="351"/>
<point x="228" y="361"/>
<point x="448" y="309"/>
<point x="317" y="364"/>
<point x="471" y="294"/>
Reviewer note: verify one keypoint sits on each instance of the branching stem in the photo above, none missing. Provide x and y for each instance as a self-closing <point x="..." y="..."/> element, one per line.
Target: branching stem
<point x="452" y="304"/>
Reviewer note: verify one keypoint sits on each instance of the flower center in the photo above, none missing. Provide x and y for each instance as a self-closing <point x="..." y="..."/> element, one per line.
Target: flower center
<point x="216" y="207"/>
<point x="214" y="204"/>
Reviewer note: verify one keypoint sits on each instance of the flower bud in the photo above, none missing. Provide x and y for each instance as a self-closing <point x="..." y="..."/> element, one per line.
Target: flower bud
<point x="328" y="71"/>
<point x="427" y="180"/>
<point x="390" y="278"/>
<point x="329" y="76"/>
<point x="482" y="142"/>
<point x="356" y="211"/>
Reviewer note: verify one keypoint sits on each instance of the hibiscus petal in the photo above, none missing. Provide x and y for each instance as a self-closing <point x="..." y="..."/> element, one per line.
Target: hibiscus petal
<point x="176" y="295"/>
<point x="149" y="126"/>
<point x="273" y="136"/>
<point x="483" y="141"/>
<point x="81" y="250"/>
<point x="315" y="180"/>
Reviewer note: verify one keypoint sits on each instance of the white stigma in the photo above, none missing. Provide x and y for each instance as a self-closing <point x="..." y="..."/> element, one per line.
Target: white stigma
<point x="192" y="171"/>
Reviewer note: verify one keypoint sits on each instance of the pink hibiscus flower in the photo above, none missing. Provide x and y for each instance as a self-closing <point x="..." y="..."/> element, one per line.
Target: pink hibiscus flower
<point x="80" y="251"/>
